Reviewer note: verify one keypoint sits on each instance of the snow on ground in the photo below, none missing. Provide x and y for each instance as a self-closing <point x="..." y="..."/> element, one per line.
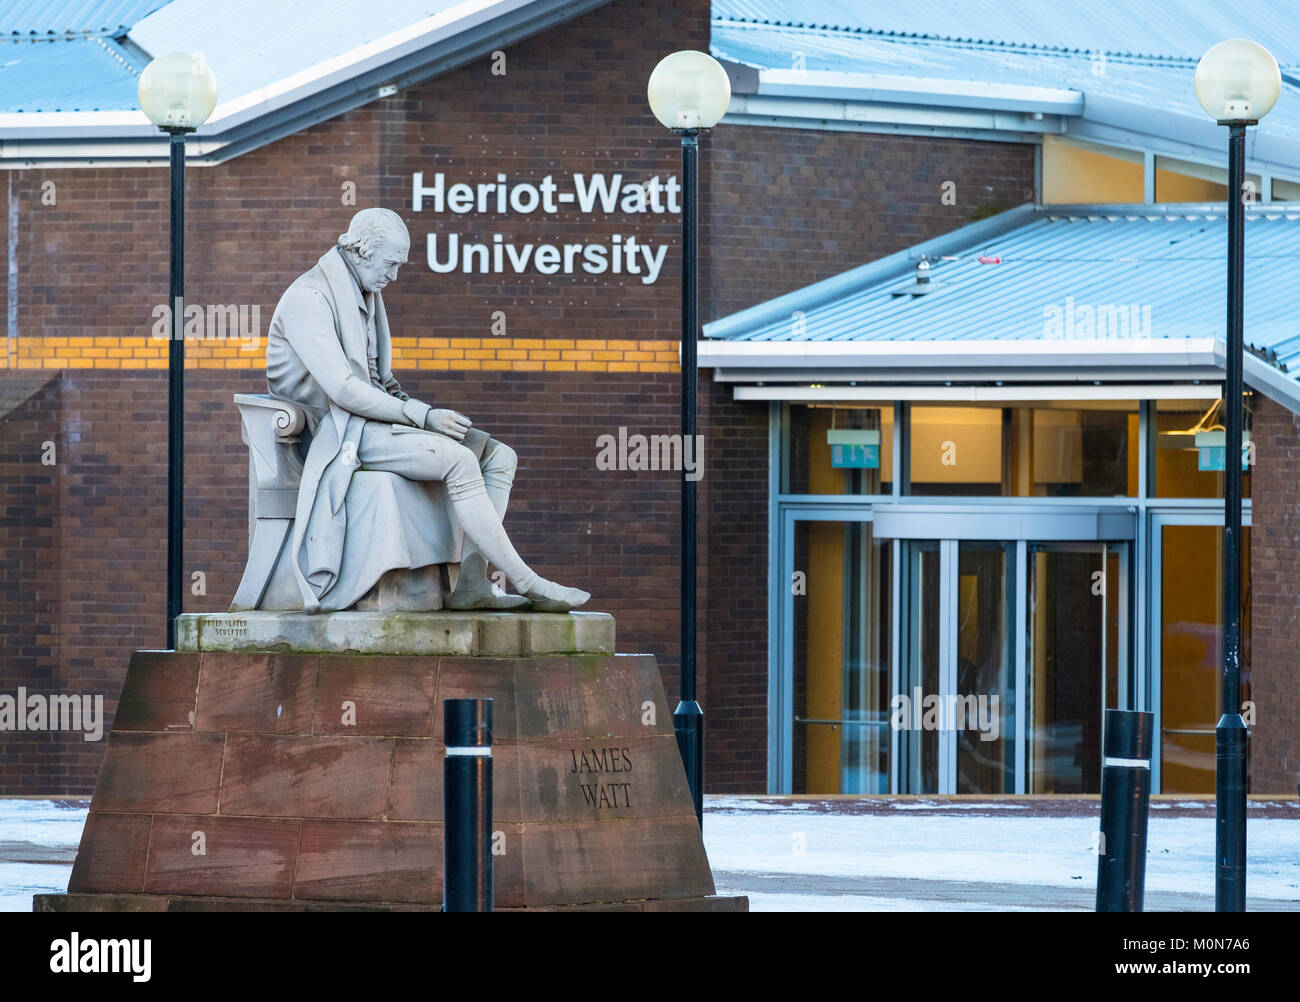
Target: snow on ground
<point x="38" y="841"/>
<point x="931" y="855"/>
<point x="1052" y="851"/>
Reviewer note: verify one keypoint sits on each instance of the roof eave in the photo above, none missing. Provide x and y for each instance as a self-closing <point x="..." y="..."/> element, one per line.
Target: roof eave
<point x="404" y="59"/>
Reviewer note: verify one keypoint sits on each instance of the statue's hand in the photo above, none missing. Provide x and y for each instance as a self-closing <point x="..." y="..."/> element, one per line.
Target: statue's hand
<point x="453" y="424"/>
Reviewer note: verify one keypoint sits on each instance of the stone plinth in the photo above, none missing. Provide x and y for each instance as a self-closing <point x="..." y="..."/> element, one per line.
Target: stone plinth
<point x="472" y="634"/>
<point x="302" y="781"/>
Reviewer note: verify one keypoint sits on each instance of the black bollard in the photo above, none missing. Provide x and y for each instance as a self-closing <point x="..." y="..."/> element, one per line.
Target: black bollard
<point x="467" y="806"/>
<point x="1125" y="791"/>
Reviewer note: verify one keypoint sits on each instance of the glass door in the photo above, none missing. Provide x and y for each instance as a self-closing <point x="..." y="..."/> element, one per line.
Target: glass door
<point x="840" y="628"/>
<point x="983" y="684"/>
<point x="923" y="750"/>
<point x="946" y="665"/>
<point x="956" y="707"/>
<point x="1078" y="660"/>
<point x="1187" y="649"/>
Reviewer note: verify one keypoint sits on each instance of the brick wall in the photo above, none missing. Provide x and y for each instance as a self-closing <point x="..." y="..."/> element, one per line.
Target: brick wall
<point x="30" y="599"/>
<point x="788" y="207"/>
<point x="1275" y="582"/>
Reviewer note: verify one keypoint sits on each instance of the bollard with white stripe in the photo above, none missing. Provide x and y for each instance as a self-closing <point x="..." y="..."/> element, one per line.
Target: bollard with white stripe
<point x="467" y="806"/>
<point x="1125" y="792"/>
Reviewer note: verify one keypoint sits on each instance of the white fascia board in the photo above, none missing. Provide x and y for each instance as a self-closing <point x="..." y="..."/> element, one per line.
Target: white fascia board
<point x="794" y="356"/>
<point x="980" y="394"/>
<point x="888" y="129"/>
<point x="146" y="151"/>
<point x="73" y="124"/>
<point x="863" y="113"/>
<point x="1274" y="384"/>
<point x="878" y="88"/>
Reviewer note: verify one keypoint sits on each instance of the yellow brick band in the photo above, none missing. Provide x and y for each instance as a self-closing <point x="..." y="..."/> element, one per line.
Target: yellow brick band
<point x="423" y="354"/>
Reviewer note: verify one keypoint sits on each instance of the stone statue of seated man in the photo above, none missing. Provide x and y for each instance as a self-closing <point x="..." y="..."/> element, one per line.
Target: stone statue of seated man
<point x="329" y="350"/>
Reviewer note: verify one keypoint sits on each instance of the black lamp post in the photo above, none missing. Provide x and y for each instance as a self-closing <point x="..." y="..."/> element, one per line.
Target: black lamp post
<point x="689" y="93"/>
<point x="177" y="92"/>
<point x="1237" y="82"/>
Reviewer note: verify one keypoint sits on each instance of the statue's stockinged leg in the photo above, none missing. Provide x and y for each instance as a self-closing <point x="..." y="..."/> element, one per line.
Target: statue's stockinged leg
<point x="433" y="457"/>
<point x="473" y="589"/>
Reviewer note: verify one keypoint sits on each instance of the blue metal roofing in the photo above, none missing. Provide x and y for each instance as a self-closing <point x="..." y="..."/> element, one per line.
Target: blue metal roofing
<point x="47" y="19"/>
<point x="1139" y="101"/>
<point x="253" y="43"/>
<point x="249" y="44"/>
<point x="83" y="74"/>
<point x="1156" y="84"/>
<point x="1145" y="87"/>
<point x="1169" y="258"/>
<point x="1179" y="28"/>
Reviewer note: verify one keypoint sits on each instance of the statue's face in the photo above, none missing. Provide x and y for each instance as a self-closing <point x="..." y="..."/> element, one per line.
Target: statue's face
<point x="389" y="255"/>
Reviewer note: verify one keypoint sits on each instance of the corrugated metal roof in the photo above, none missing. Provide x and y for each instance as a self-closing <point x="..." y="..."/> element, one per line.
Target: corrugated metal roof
<point x="1126" y="97"/>
<point x="64" y="18"/>
<point x="1173" y="262"/>
<point x="1158" y="84"/>
<point x="252" y="43"/>
<point x="1178" y="28"/>
<point x="249" y="44"/>
<point x="83" y="74"/>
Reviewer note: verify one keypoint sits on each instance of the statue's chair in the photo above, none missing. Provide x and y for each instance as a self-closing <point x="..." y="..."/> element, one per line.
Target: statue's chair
<point x="276" y="434"/>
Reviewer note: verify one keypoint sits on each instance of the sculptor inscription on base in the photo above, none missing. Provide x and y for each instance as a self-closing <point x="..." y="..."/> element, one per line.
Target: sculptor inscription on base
<point x="230" y="629"/>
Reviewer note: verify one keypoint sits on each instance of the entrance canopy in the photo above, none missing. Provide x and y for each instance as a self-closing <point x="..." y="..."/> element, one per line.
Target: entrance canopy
<point x="1061" y="301"/>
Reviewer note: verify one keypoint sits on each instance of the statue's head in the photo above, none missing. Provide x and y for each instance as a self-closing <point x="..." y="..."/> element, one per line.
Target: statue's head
<point x="377" y="244"/>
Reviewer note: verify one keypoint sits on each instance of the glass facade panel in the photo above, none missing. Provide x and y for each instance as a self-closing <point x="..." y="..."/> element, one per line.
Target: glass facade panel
<point x="1187" y="464"/>
<point x="1021" y="654"/>
<point x="1191" y="652"/>
<point x="1184" y="181"/>
<point x="1034" y="450"/>
<point x="811" y="466"/>
<point x="1074" y="650"/>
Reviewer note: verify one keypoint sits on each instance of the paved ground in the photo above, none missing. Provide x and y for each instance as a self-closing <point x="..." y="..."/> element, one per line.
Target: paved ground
<point x="809" y="892"/>
<point x="866" y="854"/>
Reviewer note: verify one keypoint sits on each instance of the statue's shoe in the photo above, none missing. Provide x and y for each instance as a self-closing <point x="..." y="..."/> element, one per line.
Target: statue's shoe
<point x="547" y="596"/>
<point x="490" y="597"/>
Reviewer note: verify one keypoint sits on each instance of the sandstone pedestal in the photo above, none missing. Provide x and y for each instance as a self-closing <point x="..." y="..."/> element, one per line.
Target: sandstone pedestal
<point x="271" y="779"/>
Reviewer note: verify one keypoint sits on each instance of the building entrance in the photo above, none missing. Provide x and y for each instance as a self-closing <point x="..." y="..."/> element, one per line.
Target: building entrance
<point x="954" y="665"/>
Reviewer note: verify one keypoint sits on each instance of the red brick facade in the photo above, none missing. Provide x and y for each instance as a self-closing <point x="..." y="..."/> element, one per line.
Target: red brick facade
<point x="82" y="542"/>
<point x="1275" y="581"/>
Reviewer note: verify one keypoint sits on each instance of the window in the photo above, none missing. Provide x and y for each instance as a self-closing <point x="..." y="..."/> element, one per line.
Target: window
<point x="1045" y="449"/>
<point x="863" y="463"/>
<point x="1189" y="460"/>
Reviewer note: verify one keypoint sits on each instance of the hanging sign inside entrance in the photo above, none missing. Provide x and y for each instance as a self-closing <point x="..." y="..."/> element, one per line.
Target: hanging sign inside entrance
<point x="854" y="448"/>
<point x="1210" y="449"/>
